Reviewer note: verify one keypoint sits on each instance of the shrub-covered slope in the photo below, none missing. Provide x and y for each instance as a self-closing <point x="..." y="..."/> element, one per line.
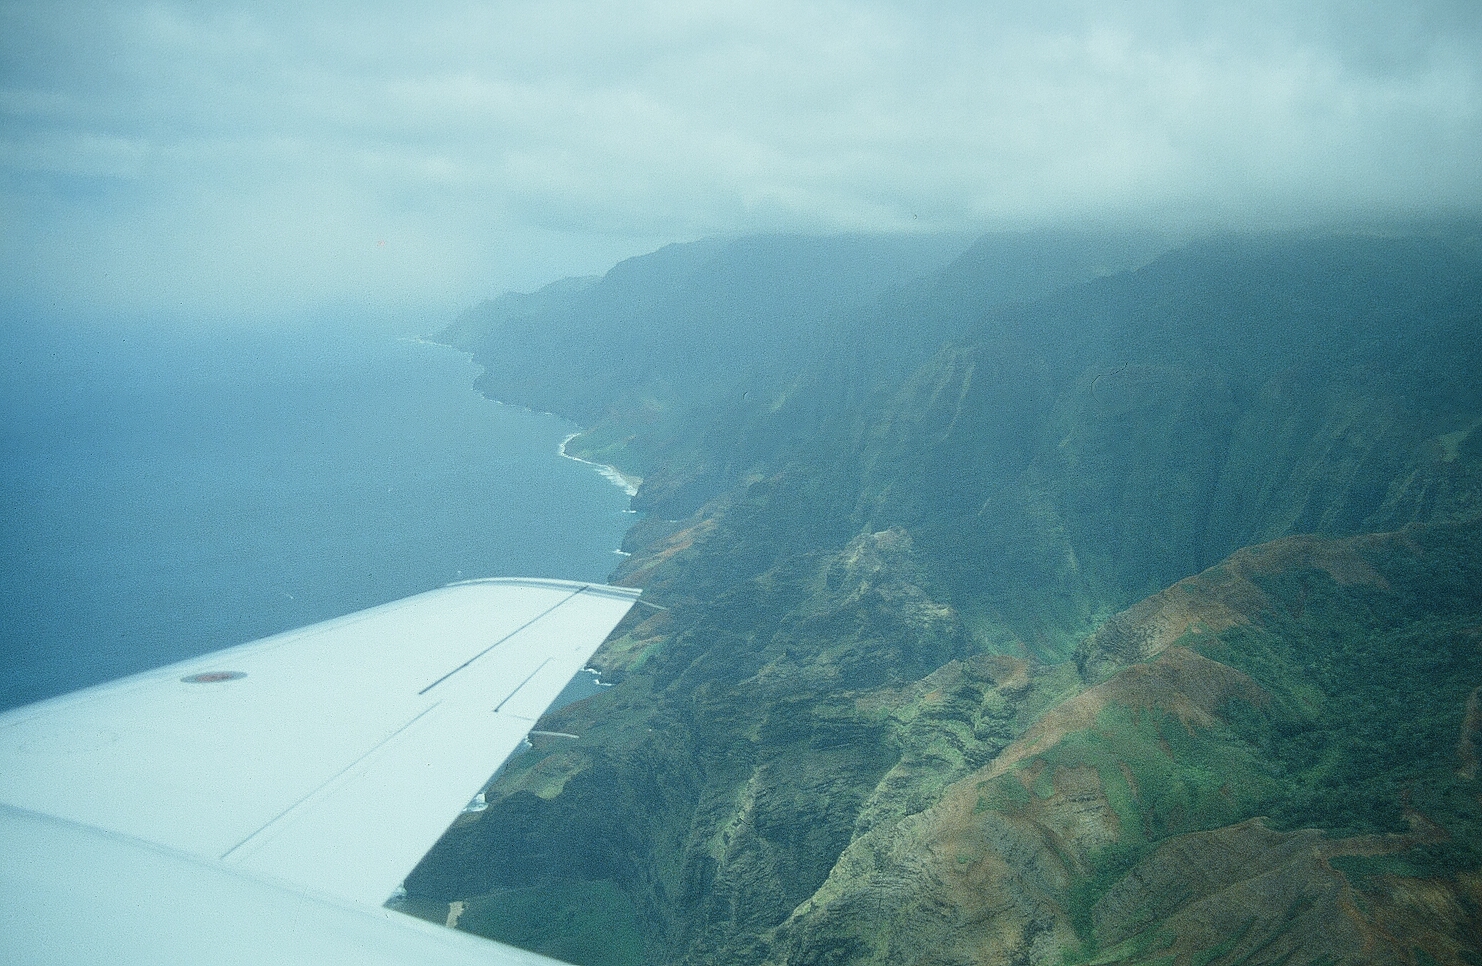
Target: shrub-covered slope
<point x="1096" y="446"/>
<point x="1141" y="621"/>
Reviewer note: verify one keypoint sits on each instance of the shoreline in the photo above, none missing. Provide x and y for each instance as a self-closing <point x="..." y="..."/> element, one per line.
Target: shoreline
<point x="628" y="484"/>
<point x="612" y="474"/>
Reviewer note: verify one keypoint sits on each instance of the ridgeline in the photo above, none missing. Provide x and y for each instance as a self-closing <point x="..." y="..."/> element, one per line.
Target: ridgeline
<point x="1054" y="599"/>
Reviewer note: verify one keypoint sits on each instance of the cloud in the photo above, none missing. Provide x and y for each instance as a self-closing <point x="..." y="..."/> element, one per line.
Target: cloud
<point x="248" y="158"/>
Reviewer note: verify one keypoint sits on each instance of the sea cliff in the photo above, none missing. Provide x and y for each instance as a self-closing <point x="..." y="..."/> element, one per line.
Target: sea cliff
<point x="1112" y="614"/>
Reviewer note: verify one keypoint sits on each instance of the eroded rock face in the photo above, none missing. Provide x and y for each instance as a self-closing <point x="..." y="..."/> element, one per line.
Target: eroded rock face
<point x="997" y="810"/>
<point x="1005" y="865"/>
<point x="946" y="674"/>
<point x="1180" y="682"/>
<point x="940" y="887"/>
<point x="870" y="620"/>
<point x="1248" y="894"/>
<point x="996" y="860"/>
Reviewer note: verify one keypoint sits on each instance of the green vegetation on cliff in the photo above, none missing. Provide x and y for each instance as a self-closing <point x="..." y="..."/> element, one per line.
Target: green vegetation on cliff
<point x="1057" y="617"/>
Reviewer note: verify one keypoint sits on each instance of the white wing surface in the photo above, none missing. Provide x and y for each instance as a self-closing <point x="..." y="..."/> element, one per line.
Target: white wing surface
<point x="329" y="759"/>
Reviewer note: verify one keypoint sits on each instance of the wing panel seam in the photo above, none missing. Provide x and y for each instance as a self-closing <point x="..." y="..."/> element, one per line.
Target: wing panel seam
<point x="329" y="781"/>
<point x="522" y="684"/>
<point x="506" y="637"/>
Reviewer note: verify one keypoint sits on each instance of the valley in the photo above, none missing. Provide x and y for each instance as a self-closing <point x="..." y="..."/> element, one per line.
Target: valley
<point x="1071" y="599"/>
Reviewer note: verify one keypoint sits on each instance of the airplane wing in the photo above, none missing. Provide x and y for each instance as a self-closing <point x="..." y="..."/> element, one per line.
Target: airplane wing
<point x="323" y="762"/>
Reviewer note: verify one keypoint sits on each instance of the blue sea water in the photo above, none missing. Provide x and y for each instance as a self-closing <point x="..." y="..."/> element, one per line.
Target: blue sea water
<point x="167" y="494"/>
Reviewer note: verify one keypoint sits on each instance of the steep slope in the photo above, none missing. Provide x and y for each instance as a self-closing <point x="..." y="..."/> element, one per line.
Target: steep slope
<point x="1278" y="773"/>
<point x="662" y="336"/>
<point x="716" y="336"/>
<point x="928" y="678"/>
<point x="1086" y="450"/>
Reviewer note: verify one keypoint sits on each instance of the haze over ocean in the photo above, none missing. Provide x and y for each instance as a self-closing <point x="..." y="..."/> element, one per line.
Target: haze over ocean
<point x="167" y="495"/>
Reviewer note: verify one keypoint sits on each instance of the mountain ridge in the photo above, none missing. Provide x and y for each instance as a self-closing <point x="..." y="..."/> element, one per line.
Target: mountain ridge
<point x="964" y="660"/>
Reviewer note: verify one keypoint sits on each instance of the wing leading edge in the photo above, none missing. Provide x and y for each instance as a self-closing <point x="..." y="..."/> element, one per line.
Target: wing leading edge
<point x="328" y="759"/>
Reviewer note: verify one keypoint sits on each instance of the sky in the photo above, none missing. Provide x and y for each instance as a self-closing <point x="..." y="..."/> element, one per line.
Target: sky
<point x="209" y="160"/>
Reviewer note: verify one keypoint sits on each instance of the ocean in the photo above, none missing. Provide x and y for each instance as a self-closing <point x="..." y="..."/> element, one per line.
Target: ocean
<point x="168" y="493"/>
